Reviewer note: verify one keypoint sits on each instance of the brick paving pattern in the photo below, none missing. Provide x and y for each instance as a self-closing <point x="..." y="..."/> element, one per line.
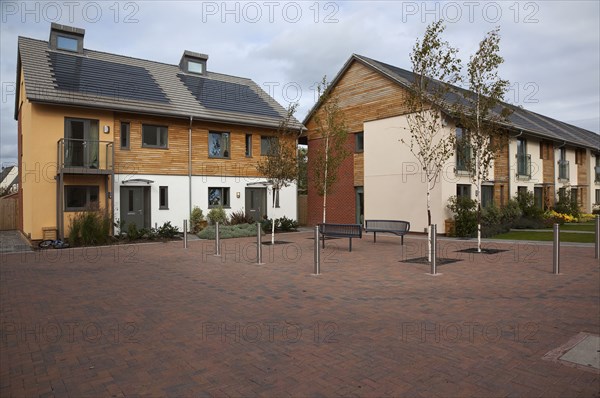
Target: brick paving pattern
<point x="158" y="320"/>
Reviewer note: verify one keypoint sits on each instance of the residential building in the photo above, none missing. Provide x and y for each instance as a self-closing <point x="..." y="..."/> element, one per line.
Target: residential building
<point x="382" y="179"/>
<point x="144" y="141"/>
<point x="9" y="180"/>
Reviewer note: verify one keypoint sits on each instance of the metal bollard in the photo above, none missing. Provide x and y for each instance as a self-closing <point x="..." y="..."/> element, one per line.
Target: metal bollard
<point x="597" y="236"/>
<point x="556" y="250"/>
<point x="185" y="234"/>
<point x="258" y="245"/>
<point x="317" y="252"/>
<point x="217" y="240"/>
<point x="433" y="249"/>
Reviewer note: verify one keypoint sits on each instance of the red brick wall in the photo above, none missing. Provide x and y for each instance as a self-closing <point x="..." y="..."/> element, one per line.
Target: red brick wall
<point x="341" y="199"/>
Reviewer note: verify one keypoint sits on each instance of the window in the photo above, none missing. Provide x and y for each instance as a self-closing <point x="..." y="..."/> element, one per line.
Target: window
<point x="163" y="198"/>
<point x="463" y="149"/>
<point x="562" y="194"/>
<point x="218" y="145"/>
<point x="81" y="197"/>
<point x="267" y="144"/>
<point x="574" y="195"/>
<point x="248" y="145"/>
<point x="487" y="196"/>
<point x="218" y="197"/>
<point x="154" y="136"/>
<point x="563" y="165"/>
<point x="521" y="191"/>
<point x="597" y="196"/>
<point x="67" y="43"/>
<point x="523" y="159"/>
<point x="195" y="67"/>
<point x="359" y="142"/>
<point x="124" y="135"/>
<point x="463" y="191"/>
<point x="597" y="168"/>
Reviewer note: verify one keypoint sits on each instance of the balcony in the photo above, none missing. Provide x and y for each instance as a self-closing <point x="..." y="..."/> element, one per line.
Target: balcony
<point x="85" y="156"/>
<point x="563" y="169"/>
<point x="524" y="166"/>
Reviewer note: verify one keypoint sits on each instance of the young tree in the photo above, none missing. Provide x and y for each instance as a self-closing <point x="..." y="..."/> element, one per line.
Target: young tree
<point x="481" y="117"/>
<point x="326" y="159"/>
<point x="280" y="166"/>
<point x="435" y="66"/>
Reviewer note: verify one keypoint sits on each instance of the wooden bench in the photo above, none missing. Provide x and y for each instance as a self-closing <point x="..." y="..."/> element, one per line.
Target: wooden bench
<point x="340" y="231"/>
<point x="399" y="228"/>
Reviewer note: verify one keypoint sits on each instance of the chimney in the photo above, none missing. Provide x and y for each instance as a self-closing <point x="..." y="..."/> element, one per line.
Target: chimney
<point x="66" y="38"/>
<point x="192" y="62"/>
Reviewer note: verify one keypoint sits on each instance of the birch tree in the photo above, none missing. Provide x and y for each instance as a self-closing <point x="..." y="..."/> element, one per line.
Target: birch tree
<point x="327" y="159"/>
<point x="280" y="166"/>
<point x="435" y="66"/>
<point x="483" y="114"/>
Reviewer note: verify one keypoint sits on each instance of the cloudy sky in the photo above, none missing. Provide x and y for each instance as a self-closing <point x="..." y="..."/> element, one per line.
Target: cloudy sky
<point x="551" y="48"/>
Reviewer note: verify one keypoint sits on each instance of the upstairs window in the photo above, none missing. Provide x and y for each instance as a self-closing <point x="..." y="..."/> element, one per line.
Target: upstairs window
<point x="195" y="67"/>
<point x="124" y="135"/>
<point x="155" y="136"/>
<point x="359" y="142"/>
<point x="268" y="144"/>
<point x="463" y="149"/>
<point x="67" y="43"/>
<point x="218" y="145"/>
<point x="248" y="145"/>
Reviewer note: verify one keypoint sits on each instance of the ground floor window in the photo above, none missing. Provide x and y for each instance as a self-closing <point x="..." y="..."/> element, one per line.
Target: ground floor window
<point x="463" y="191"/>
<point x="81" y="197"/>
<point x="218" y="197"/>
<point x="538" y="197"/>
<point x="597" y="196"/>
<point x="487" y="196"/>
<point x="163" y="199"/>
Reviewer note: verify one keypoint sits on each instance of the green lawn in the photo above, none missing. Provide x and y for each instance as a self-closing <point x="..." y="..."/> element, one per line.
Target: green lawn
<point x="588" y="226"/>
<point x="546" y="236"/>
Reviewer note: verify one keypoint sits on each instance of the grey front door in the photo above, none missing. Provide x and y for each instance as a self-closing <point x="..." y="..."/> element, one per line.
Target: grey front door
<point x="132" y="207"/>
<point x="256" y="203"/>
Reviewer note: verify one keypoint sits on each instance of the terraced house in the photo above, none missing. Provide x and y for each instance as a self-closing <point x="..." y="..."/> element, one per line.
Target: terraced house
<point x="144" y="141"/>
<point x="381" y="180"/>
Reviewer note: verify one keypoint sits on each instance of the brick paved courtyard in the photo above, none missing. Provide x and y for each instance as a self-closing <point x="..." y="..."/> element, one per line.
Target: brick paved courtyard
<point x="158" y="320"/>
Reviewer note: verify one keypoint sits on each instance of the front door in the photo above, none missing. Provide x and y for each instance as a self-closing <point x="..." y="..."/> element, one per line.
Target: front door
<point x="256" y="203"/>
<point x="133" y="209"/>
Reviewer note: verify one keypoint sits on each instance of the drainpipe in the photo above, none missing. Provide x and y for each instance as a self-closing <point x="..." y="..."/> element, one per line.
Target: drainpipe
<point x="190" y="169"/>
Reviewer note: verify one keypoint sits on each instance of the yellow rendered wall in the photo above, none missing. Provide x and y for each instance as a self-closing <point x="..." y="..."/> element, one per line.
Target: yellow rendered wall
<point x="42" y="127"/>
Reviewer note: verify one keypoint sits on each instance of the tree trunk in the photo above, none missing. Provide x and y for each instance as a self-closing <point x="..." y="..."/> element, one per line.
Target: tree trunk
<point x="428" y="220"/>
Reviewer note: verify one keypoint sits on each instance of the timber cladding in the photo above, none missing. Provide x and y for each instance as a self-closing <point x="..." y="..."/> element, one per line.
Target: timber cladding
<point x="501" y="174"/>
<point x="174" y="159"/>
<point x="364" y="95"/>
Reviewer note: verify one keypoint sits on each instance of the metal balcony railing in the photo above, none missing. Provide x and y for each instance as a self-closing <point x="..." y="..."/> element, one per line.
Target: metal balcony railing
<point x="85" y="155"/>
<point x="524" y="165"/>
<point x="563" y="169"/>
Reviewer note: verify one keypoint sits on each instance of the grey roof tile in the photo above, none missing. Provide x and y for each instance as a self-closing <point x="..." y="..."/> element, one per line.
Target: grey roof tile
<point x="109" y="81"/>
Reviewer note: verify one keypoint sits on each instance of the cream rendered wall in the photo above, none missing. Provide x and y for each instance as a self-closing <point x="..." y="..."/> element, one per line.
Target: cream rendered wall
<point x="394" y="187"/>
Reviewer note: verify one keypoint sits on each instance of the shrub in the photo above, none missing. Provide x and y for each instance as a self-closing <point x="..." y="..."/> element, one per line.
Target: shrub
<point x="132" y="232"/>
<point x="465" y="216"/>
<point x="511" y="211"/>
<point x="240" y="217"/>
<point x="229" y="231"/>
<point x="287" y="224"/>
<point x="89" y="228"/>
<point x="566" y="204"/>
<point x="527" y="205"/>
<point x="196" y="219"/>
<point x="217" y="214"/>
<point x="167" y="230"/>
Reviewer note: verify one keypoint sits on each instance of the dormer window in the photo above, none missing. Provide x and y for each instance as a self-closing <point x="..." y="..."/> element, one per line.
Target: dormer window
<point x="195" y="67"/>
<point x="66" y="43"/>
<point x="192" y="62"/>
<point x="66" y="38"/>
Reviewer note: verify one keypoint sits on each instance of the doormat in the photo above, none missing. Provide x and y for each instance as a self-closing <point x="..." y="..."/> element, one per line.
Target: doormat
<point x="483" y="251"/>
<point x="425" y="261"/>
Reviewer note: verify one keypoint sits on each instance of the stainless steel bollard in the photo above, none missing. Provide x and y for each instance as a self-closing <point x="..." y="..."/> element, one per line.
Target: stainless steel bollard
<point x="317" y="252"/>
<point x="556" y="250"/>
<point x="217" y="240"/>
<point x="433" y="249"/>
<point x="597" y="236"/>
<point x="185" y="234"/>
<point x="258" y="245"/>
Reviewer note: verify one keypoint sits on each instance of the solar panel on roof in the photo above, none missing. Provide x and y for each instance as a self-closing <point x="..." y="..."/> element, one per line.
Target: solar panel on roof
<point x="104" y="79"/>
<point x="227" y="96"/>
